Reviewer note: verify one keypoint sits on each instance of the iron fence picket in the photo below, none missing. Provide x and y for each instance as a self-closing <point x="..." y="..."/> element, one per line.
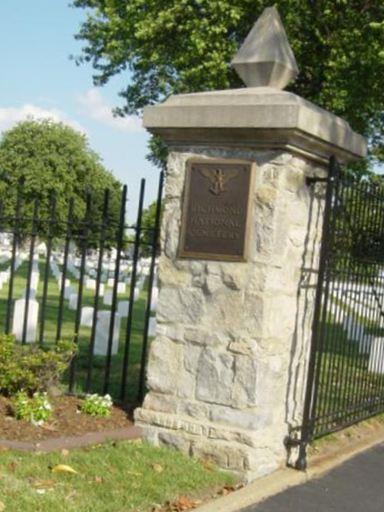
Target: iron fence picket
<point x="65" y="239"/>
<point x="51" y="228"/>
<point x="155" y="234"/>
<point x="112" y="322"/>
<point x="132" y="287"/>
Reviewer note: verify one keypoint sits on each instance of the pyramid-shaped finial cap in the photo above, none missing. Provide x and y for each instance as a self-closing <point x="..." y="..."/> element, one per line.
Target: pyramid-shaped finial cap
<point x="266" y="58"/>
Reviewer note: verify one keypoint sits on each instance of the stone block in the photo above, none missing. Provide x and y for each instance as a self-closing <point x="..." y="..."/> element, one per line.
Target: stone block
<point x="244" y="389"/>
<point x="173" y="441"/>
<point x="236" y="418"/>
<point x="180" y="305"/>
<point x="164" y="361"/>
<point x="215" y="376"/>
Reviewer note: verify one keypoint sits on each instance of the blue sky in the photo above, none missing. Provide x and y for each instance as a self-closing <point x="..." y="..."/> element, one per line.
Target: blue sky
<point x="39" y="79"/>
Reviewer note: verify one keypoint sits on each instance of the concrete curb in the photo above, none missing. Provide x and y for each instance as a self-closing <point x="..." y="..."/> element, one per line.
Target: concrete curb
<point x="285" y="478"/>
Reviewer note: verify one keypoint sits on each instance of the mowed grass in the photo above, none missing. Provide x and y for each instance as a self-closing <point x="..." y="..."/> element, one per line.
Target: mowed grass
<point x="127" y="476"/>
<point x="347" y="391"/>
<point x="83" y="360"/>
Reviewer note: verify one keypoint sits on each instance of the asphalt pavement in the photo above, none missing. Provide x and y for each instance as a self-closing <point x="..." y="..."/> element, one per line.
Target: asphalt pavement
<point x="355" y="486"/>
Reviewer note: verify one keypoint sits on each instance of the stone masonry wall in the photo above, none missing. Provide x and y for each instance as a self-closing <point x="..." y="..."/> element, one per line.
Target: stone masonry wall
<point x="226" y="370"/>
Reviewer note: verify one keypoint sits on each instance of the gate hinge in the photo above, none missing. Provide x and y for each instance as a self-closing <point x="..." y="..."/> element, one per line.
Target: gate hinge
<point x="310" y="180"/>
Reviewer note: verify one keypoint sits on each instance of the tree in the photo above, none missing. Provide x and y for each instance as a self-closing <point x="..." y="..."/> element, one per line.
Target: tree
<point x="176" y="46"/>
<point x="43" y="159"/>
<point x="148" y="223"/>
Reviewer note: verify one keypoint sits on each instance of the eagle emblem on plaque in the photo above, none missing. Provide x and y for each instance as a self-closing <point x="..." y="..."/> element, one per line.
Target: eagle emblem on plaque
<point x="218" y="179"/>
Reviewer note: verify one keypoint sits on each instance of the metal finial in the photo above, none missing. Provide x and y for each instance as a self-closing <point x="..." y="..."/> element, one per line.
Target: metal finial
<point x="266" y="57"/>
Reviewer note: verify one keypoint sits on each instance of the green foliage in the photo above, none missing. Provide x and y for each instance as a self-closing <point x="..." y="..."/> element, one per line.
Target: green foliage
<point x="31" y="368"/>
<point x="42" y="158"/>
<point x="148" y="223"/>
<point x="35" y="409"/>
<point x="176" y="46"/>
<point x="96" y="405"/>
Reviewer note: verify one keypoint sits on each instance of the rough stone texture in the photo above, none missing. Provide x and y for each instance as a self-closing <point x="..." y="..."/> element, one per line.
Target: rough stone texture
<point x="226" y="371"/>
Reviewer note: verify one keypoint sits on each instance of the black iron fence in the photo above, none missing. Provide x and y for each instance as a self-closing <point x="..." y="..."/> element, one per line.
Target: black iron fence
<point x="88" y="276"/>
<point x="345" y="381"/>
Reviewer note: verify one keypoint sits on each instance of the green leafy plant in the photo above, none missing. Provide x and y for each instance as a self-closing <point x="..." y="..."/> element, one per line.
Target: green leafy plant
<point x="96" y="405"/>
<point x="32" y="368"/>
<point x="180" y="46"/>
<point x="36" y="409"/>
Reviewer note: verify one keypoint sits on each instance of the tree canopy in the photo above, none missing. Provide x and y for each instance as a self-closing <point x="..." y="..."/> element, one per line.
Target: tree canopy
<point x="175" y="46"/>
<point x="43" y="159"/>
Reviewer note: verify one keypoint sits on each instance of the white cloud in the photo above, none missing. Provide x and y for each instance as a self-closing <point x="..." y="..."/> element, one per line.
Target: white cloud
<point x="9" y="116"/>
<point x="98" y="109"/>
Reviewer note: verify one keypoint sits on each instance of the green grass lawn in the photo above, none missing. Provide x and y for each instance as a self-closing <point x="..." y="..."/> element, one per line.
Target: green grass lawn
<point x="68" y="329"/>
<point x="347" y="390"/>
<point x="127" y="476"/>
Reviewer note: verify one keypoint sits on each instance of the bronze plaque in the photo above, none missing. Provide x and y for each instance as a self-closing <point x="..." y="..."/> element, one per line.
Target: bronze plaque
<point x="215" y="213"/>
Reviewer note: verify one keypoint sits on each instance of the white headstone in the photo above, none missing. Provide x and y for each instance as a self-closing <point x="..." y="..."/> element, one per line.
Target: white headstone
<point x="32" y="321"/>
<point x="122" y="308"/>
<point x="73" y="301"/>
<point x="68" y="291"/>
<point x="376" y="356"/>
<point x="35" y="280"/>
<point x="86" y="317"/>
<point x="121" y="288"/>
<point x="111" y="282"/>
<point x="102" y="333"/>
<point x="107" y="299"/>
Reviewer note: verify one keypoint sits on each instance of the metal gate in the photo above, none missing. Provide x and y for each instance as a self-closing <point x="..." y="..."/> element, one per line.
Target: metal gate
<point x="345" y="378"/>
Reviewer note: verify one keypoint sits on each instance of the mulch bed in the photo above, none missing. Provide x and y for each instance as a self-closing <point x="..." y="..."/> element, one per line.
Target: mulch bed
<point x="66" y="421"/>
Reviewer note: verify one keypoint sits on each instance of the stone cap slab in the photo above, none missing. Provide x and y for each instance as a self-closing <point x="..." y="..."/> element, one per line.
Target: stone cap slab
<point x="255" y="117"/>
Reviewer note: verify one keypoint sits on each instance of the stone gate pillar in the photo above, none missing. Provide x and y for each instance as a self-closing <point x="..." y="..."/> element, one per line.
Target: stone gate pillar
<point x="240" y="237"/>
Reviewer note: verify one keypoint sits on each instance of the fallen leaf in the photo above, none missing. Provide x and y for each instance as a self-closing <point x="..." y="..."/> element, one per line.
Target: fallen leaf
<point x="44" y="484"/>
<point x="227" y="489"/>
<point x="182" y="503"/>
<point x="99" y="479"/>
<point x="12" y="466"/>
<point x="157" y="467"/>
<point x="64" y="452"/>
<point x="2" y="506"/>
<point x="63" y="468"/>
<point x="208" y="464"/>
<point x="48" y="427"/>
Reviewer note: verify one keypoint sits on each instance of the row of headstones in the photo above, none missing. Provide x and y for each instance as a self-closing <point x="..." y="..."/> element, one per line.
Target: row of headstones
<point x="87" y="313"/>
<point x="103" y="317"/>
<point x="6" y="274"/>
<point x="367" y="343"/>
